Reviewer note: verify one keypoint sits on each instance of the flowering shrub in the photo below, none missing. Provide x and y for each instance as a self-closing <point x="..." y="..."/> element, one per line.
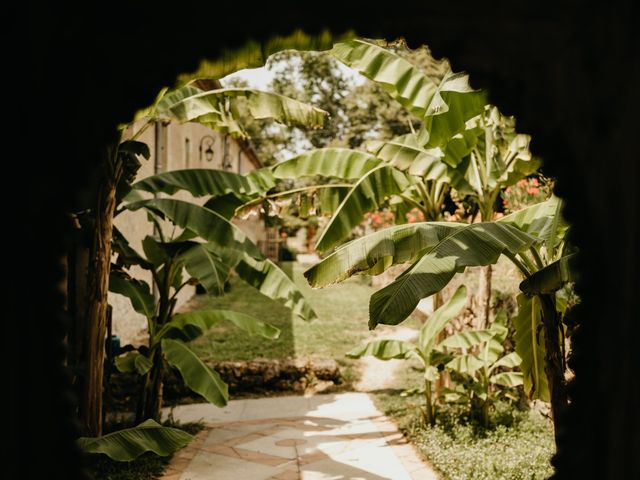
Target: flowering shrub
<point x="378" y="220"/>
<point x="415" y="215"/>
<point x="525" y="192"/>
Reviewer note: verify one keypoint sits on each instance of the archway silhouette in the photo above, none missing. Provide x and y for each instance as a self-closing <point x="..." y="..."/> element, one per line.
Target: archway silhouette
<point x="552" y="68"/>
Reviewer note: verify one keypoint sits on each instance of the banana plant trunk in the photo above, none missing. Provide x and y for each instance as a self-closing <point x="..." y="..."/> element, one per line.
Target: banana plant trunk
<point x="90" y="410"/>
<point x="484" y="297"/>
<point x="429" y="414"/>
<point x="486" y="272"/>
<point x="151" y="398"/>
<point x="443" y="379"/>
<point x="554" y="361"/>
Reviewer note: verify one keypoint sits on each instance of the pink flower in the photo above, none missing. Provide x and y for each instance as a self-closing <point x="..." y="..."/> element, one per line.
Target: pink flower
<point x="505" y="202"/>
<point x="522" y="183"/>
<point x="533" y="191"/>
<point x="508" y="190"/>
<point x="411" y="219"/>
<point x="534" y="182"/>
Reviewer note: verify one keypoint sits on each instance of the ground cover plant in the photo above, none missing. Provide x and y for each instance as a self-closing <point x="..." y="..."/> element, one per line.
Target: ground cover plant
<point x="516" y="445"/>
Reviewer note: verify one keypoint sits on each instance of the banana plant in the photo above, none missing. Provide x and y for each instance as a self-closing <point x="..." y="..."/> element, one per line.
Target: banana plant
<point x="476" y="358"/>
<point x="532" y="238"/>
<point x="214" y="247"/>
<point x="424" y="350"/>
<point x="216" y="109"/>
<point x="410" y="171"/>
<point x="498" y="158"/>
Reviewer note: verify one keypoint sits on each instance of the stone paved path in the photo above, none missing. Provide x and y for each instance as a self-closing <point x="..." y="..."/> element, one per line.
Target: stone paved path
<point x="321" y="437"/>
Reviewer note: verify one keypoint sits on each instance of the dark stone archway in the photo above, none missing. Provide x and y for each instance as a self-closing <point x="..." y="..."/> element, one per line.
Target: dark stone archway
<point x="569" y="74"/>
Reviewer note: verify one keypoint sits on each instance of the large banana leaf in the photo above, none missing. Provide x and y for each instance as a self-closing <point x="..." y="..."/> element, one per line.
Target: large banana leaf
<point x="537" y="220"/>
<point x="466" y="363"/>
<point x="471" y="245"/>
<point x="406" y="154"/>
<point x="208" y="224"/>
<point x="210" y="270"/>
<point x="227" y="205"/>
<point x="368" y="193"/>
<point x="272" y="282"/>
<point x="128" y="444"/>
<point x="460" y="145"/>
<point x="160" y="252"/>
<point x="507" y="379"/>
<point x="213" y="105"/>
<point x="455" y="103"/>
<point x="435" y="164"/>
<point x="188" y="326"/>
<point x="327" y="200"/>
<point x="374" y="253"/>
<point x="439" y="319"/>
<point x="127" y="255"/>
<point x="549" y="279"/>
<point x="328" y="162"/>
<point x="171" y="98"/>
<point x="529" y="338"/>
<point x="196" y="375"/>
<point x="137" y="291"/>
<point x="444" y="108"/>
<point x="206" y="182"/>
<point x="384" y="349"/>
<point x="467" y="339"/>
<point x="512" y="360"/>
<point x="522" y="163"/>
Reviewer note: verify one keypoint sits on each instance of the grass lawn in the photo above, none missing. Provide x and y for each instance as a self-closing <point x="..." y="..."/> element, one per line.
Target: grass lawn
<point x="517" y="446"/>
<point x="343" y="313"/>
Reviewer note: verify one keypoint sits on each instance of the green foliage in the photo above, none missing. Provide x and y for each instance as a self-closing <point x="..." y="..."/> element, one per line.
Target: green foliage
<point x="498" y="159"/>
<point x="443" y="106"/>
<point x="218" y="109"/>
<point x="147" y="466"/>
<point x="207" y="182"/>
<point x="517" y="445"/>
<point x="477" y="356"/>
<point x="452" y="252"/>
<point x="530" y="346"/>
<point x="424" y="350"/>
<point x="209" y="263"/>
<point x="126" y="445"/>
<point x="196" y="375"/>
